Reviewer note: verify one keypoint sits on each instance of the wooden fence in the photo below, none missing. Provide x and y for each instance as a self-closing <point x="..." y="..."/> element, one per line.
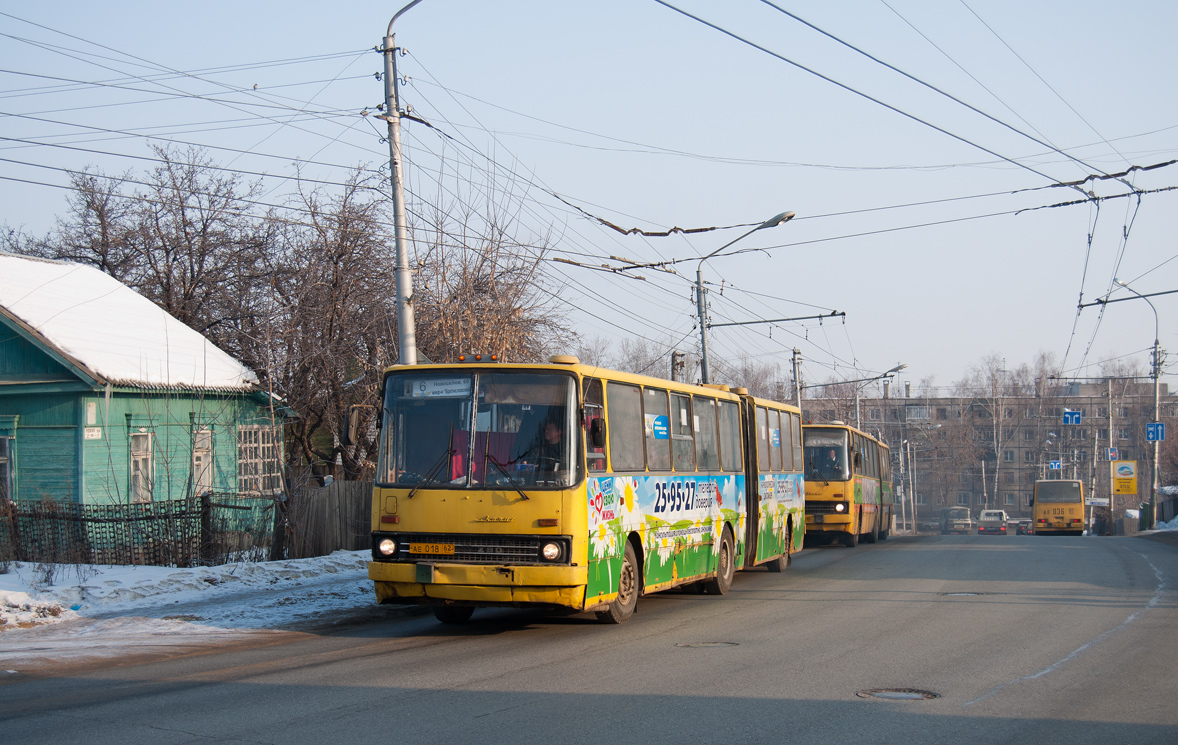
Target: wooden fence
<point x="331" y="518"/>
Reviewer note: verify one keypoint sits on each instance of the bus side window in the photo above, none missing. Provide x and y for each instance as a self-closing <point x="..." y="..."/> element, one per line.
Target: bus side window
<point x="762" y="440"/>
<point x="730" y="455"/>
<point x="682" y="439"/>
<point x="658" y="431"/>
<point x="594" y="411"/>
<point x="707" y="453"/>
<point x="787" y="448"/>
<point x="774" y="439"/>
<point x="797" y="428"/>
<point x="625" y="427"/>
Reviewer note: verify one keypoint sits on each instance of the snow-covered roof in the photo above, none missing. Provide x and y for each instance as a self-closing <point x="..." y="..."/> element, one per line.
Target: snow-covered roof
<point x="111" y="331"/>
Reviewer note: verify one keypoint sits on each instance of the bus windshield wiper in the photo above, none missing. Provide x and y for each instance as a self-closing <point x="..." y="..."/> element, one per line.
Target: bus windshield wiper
<point x="433" y="472"/>
<point x="488" y="457"/>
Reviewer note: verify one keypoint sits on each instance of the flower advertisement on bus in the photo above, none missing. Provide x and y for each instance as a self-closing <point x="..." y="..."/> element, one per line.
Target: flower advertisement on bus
<point x="782" y="495"/>
<point x="678" y="519"/>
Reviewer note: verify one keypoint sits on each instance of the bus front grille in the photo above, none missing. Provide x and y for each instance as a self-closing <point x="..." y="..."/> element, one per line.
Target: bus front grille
<point x="467" y="548"/>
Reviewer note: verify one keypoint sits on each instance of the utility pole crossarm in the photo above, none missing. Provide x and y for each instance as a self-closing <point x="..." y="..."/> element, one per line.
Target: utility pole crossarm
<point x="832" y="314"/>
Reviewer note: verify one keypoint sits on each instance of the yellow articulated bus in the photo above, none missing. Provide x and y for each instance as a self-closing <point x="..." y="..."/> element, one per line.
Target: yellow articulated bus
<point x="572" y="487"/>
<point x="1059" y="507"/>
<point x="848" y="485"/>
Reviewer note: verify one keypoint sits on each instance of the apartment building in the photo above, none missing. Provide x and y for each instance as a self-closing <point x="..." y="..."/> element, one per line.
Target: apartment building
<point x="987" y="452"/>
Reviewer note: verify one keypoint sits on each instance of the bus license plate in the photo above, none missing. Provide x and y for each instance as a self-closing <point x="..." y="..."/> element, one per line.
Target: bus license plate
<point x="431" y="548"/>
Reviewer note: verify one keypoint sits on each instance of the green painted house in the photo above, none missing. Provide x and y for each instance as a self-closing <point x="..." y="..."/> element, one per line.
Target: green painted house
<point x="106" y="399"/>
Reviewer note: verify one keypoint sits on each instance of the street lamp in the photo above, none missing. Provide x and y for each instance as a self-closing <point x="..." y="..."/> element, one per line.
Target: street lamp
<point x="1157" y="363"/>
<point x="699" y="288"/>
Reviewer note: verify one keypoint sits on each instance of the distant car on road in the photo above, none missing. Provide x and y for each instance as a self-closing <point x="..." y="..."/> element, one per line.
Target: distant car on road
<point x="1023" y="527"/>
<point x="992" y="522"/>
<point x="956" y="520"/>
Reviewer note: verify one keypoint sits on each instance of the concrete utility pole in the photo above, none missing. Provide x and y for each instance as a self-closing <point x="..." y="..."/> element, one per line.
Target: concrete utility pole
<point x="797" y="378"/>
<point x="406" y="328"/>
<point x="677" y="365"/>
<point x="1157" y="367"/>
<point x="701" y="303"/>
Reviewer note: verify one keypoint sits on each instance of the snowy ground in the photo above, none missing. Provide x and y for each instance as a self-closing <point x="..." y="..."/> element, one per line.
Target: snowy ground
<point x="89" y="612"/>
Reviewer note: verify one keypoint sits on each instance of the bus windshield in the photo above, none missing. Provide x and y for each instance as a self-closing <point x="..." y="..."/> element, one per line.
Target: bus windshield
<point x="826" y="453"/>
<point x="464" y="430"/>
<point x="1058" y="492"/>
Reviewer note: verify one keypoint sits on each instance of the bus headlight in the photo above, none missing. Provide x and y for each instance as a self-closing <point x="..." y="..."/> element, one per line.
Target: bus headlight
<point x="387" y="547"/>
<point x="840" y="507"/>
<point x="550" y="551"/>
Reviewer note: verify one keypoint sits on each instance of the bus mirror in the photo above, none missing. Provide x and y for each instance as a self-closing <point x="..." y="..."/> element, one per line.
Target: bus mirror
<point x="597" y="432"/>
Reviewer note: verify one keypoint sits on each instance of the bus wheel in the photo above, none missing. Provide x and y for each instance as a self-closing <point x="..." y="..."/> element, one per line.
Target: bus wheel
<point x="781" y="562"/>
<point x="883" y="534"/>
<point x="851" y="540"/>
<point x="873" y="536"/>
<point x="453" y="613"/>
<point x="623" y="606"/>
<point x="725" y="567"/>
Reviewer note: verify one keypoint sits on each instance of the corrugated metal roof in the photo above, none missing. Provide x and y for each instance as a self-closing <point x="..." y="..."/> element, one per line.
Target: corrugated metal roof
<point x="112" y="331"/>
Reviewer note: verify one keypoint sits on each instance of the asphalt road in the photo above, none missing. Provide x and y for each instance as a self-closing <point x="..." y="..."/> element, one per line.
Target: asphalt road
<point x="1021" y="638"/>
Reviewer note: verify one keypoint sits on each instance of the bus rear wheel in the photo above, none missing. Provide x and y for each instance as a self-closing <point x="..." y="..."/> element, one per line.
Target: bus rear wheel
<point x="782" y="562"/>
<point x="725" y="566"/>
<point x="620" y="610"/>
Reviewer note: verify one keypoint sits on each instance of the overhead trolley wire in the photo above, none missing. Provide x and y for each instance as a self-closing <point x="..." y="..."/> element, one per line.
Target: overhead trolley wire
<point x="859" y="93"/>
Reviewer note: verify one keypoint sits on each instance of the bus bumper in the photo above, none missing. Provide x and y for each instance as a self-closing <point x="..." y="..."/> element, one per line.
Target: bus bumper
<point x="825" y="523"/>
<point x="437" y="583"/>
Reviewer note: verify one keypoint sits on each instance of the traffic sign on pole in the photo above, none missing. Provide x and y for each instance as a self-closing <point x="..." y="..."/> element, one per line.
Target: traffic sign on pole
<point x="1112" y="453"/>
<point x="1071" y="417"/>
<point x="1155" y="432"/>
<point x="1055" y="465"/>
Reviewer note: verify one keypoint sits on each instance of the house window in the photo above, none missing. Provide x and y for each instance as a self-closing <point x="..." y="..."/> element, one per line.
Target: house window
<point x="259" y="467"/>
<point x="5" y="470"/>
<point x="919" y="499"/>
<point x="874" y="414"/>
<point x="1123" y="434"/>
<point x="142" y="468"/>
<point x="1008" y="456"/>
<point x="963" y="500"/>
<point x="1028" y="434"/>
<point x="1028" y="456"/>
<point x="202" y="461"/>
<point x="1008" y="499"/>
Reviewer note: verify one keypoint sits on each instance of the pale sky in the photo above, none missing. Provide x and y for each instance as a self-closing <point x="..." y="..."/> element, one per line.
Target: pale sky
<point x="933" y="236"/>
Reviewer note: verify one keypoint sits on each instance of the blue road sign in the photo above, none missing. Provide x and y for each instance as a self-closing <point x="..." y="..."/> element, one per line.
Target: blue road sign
<point x="1112" y="453"/>
<point x="1155" y="432"/>
<point x="1055" y="465"/>
<point x="1071" y="417"/>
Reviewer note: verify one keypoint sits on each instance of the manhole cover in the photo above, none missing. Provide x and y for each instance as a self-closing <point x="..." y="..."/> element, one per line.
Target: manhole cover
<point x="696" y="645"/>
<point x="898" y="694"/>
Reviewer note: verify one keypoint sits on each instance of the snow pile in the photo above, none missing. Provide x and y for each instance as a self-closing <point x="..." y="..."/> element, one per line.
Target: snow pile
<point x="65" y="613"/>
<point x="19" y="611"/>
<point x="1172" y="525"/>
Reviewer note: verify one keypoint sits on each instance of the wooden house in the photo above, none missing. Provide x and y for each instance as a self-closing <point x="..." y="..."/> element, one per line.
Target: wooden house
<point x="105" y="399"/>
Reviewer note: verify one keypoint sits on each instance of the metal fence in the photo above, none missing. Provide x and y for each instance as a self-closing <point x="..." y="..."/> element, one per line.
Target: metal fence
<point x="211" y="529"/>
<point x="207" y="530"/>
